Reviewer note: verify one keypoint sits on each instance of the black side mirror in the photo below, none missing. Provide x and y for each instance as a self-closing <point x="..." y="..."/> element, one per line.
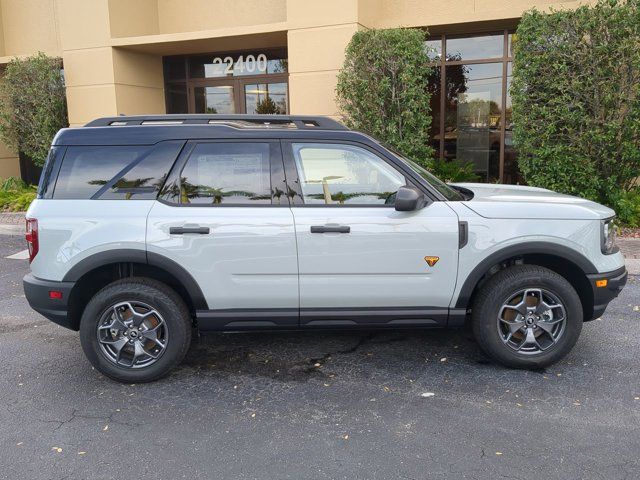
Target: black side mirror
<point x="409" y="199"/>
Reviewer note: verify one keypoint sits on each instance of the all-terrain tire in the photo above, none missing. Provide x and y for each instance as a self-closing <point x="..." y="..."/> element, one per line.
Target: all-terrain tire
<point x="498" y="290"/>
<point x="149" y="292"/>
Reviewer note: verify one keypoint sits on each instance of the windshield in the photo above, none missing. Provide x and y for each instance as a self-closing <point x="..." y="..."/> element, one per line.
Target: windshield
<point x="447" y="192"/>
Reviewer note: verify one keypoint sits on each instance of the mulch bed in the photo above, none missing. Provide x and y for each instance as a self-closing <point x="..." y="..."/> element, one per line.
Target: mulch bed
<point x="629" y="233"/>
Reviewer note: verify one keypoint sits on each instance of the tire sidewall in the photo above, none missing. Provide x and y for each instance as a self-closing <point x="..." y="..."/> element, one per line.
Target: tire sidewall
<point x="500" y="290"/>
<point x="179" y="332"/>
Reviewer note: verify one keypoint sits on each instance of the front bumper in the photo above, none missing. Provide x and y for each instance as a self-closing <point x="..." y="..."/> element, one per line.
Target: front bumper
<point x="616" y="281"/>
<point x="37" y="292"/>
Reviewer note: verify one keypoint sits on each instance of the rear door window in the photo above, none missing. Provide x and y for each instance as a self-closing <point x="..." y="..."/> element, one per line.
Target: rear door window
<point x="226" y="173"/>
<point x="85" y="170"/>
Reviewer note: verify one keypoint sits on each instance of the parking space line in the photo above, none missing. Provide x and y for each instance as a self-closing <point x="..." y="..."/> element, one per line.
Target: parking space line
<point x="22" y="255"/>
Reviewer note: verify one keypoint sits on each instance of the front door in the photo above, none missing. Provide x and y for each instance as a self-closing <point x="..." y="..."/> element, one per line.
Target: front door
<point x="254" y="95"/>
<point x="223" y="216"/>
<point x="360" y="260"/>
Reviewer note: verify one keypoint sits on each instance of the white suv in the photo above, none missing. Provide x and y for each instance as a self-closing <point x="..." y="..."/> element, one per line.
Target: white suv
<point x="146" y="227"/>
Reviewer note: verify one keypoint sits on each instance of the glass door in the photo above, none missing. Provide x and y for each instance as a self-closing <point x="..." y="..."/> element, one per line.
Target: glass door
<point x="252" y="96"/>
<point x="218" y="97"/>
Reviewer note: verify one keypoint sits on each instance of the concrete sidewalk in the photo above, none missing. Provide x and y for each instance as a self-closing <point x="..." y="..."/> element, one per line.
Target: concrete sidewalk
<point x="13" y="224"/>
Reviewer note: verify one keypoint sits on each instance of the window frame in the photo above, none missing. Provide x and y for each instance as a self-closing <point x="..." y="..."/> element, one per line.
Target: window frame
<point x="442" y="63"/>
<point x="237" y="82"/>
<point x="293" y="177"/>
<point x="276" y="173"/>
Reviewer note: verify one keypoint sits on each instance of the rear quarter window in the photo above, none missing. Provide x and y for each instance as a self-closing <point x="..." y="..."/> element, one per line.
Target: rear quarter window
<point x="85" y="170"/>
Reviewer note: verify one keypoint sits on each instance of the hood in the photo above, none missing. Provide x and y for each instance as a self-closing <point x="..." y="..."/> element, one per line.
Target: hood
<point x="515" y="201"/>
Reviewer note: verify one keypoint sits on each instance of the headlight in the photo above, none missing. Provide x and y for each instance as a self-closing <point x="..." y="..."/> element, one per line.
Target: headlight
<point x="608" y="237"/>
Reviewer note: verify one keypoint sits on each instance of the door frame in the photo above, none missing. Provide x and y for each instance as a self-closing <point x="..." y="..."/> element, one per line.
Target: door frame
<point x="238" y="84"/>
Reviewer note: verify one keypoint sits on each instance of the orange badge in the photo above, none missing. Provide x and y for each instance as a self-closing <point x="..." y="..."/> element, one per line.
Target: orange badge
<point x="431" y="261"/>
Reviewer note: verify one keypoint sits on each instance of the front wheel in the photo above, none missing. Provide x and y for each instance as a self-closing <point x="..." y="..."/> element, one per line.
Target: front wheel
<point x="527" y="316"/>
<point x="135" y="330"/>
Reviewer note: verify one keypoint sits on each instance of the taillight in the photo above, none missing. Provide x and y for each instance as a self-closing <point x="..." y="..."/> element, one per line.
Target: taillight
<point x="32" y="238"/>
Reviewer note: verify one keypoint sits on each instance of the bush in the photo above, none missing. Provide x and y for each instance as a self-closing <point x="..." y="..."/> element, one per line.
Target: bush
<point x="576" y="100"/>
<point x="15" y="195"/>
<point x="33" y="105"/>
<point x="454" y="171"/>
<point x="627" y="205"/>
<point x="383" y="89"/>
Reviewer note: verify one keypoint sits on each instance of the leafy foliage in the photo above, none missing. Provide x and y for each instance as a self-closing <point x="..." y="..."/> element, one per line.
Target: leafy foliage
<point x="33" y="105"/>
<point x="267" y="106"/>
<point x="576" y="100"/>
<point x="454" y="171"/>
<point x="15" y="195"/>
<point x="627" y="205"/>
<point x="383" y="91"/>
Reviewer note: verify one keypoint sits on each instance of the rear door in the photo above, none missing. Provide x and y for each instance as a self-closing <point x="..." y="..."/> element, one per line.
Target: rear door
<point x="360" y="260"/>
<point x="224" y="217"/>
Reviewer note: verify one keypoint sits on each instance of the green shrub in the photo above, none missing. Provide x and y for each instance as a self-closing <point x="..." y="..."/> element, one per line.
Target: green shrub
<point x="383" y="89"/>
<point x="15" y="195"/>
<point x="627" y="206"/>
<point x="454" y="171"/>
<point x="33" y="105"/>
<point x="576" y="100"/>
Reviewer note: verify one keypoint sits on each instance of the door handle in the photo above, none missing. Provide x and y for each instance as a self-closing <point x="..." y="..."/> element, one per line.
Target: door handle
<point x="330" y="229"/>
<point x="183" y="230"/>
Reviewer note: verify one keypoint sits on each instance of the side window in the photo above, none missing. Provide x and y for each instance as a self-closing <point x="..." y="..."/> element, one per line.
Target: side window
<point x="143" y="179"/>
<point x="227" y="173"/>
<point x="85" y="170"/>
<point x="335" y="174"/>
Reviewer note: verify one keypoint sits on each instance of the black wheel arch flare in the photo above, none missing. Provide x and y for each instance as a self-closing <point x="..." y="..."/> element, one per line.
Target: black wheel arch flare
<point x="520" y="250"/>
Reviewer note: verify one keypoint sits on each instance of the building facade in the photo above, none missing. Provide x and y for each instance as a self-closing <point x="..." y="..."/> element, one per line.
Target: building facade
<point x="271" y="56"/>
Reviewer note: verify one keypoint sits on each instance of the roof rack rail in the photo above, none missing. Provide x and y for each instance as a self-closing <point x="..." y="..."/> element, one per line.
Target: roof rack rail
<point x="236" y="121"/>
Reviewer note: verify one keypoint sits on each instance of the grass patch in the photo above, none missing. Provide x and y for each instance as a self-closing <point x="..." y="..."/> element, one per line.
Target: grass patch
<point x="16" y="195"/>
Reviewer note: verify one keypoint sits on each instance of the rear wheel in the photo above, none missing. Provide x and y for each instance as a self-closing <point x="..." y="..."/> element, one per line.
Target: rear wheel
<point x="527" y="316"/>
<point x="135" y="330"/>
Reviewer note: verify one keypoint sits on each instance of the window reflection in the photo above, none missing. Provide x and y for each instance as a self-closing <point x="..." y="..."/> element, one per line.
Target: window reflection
<point x="472" y="117"/>
<point x="266" y="98"/>
<point x="511" y="172"/>
<point x="216" y="66"/>
<point x="475" y="91"/>
<point x="334" y="174"/>
<point x="434" y="48"/>
<point x="234" y="173"/>
<point x="214" y="99"/>
<point x="473" y="48"/>
<point x="85" y="170"/>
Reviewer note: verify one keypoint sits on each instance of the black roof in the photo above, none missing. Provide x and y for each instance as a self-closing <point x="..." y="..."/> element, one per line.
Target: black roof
<point x="150" y="129"/>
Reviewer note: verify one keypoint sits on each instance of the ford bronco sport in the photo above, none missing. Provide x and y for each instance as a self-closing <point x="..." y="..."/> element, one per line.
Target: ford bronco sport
<point x="146" y="227"/>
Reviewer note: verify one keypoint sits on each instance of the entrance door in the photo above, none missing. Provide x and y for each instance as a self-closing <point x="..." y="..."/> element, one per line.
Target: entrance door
<point x="221" y="217"/>
<point x="360" y="260"/>
<point x="241" y="95"/>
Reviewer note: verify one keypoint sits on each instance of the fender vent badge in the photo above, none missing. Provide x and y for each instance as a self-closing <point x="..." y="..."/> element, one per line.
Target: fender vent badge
<point x="431" y="261"/>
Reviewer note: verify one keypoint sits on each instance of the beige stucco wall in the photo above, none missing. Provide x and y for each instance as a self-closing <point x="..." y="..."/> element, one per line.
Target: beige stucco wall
<point x="112" y="49"/>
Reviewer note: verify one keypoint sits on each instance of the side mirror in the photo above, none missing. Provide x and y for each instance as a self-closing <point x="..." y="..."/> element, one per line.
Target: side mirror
<point x="409" y="199"/>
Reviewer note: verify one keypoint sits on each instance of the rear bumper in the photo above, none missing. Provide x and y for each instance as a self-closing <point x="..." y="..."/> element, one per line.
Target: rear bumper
<point x="616" y="281"/>
<point x="37" y="293"/>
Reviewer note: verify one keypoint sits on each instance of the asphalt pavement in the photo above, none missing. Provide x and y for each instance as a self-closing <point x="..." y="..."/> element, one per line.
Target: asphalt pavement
<point x="359" y="405"/>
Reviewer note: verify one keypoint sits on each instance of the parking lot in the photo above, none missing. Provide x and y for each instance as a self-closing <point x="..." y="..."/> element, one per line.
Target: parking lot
<point x="407" y="405"/>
